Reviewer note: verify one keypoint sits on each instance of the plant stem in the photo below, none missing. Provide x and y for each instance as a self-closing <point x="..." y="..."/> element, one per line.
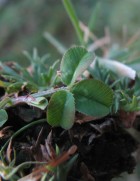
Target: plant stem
<point x="61" y="49"/>
<point x="72" y="15"/>
<point x="25" y="99"/>
<point x="47" y="93"/>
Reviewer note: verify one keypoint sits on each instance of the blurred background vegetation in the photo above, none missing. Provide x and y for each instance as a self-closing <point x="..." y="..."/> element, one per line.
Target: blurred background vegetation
<point x="23" y="24"/>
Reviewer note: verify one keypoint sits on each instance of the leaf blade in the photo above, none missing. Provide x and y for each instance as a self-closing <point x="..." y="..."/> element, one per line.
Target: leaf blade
<point x="74" y="19"/>
<point x="39" y="102"/>
<point x="92" y="97"/>
<point x="74" y="62"/>
<point x="3" y="117"/>
<point x="61" y="109"/>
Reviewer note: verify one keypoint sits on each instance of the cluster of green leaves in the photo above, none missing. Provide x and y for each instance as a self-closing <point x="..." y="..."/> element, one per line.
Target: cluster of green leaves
<point x="114" y="73"/>
<point x="88" y="96"/>
<point x="37" y="78"/>
<point x="60" y="94"/>
<point x="10" y="171"/>
<point x="93" y="97"/>
<point x="61" y="171"/>
<point x="126" y="97"/>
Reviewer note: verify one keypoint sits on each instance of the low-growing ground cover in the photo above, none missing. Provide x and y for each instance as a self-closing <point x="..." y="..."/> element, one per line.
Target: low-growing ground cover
<point x="75" y="120"/>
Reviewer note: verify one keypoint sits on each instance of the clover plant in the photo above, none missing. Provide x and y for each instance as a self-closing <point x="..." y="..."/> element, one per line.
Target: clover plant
<point x="89" y="96"/>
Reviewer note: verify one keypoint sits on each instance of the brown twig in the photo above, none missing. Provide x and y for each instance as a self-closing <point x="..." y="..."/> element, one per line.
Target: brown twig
<point x="88" y="34"/>
<point x="99" y="44"/>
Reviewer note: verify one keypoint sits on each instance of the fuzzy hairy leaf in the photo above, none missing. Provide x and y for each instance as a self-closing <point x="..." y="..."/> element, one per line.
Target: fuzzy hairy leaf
<point x="74" y="62"/>
<point x="3" y="117"/>
<point x="61" y="109"/>
<point x="92" y="97"/>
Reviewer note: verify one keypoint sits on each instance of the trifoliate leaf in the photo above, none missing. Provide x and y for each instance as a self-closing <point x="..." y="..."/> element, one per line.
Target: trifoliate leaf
<point x="74" y="62"/>
<point x="61" y="109"/>
<point x="92" y="97"/>
<point x="3" y="117"/>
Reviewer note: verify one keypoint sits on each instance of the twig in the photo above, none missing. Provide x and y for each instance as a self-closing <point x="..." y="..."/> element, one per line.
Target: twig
<point x="88" y="34"/>
<point x="28" y="98"/>
<point x="47" y="93"/>
<point x="91" y="35"/>
<point x="99" y="44"/>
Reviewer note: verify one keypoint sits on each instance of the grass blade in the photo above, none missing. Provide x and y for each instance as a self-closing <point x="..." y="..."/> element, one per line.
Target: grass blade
<point x="61" y="49"/>
<point x="73" y="17"/>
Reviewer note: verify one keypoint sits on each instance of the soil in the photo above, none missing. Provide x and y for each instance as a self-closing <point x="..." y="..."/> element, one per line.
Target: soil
<point x="104" y="147"/>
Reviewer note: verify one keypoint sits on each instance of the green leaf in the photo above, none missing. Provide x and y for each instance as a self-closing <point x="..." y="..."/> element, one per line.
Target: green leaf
<point x="61" y="49"/>
<point x="61" y="109"/>
<point x="6" y="69"/>
<point x="2" y="83"/>
<point x="130" y="106"/>
<point x="94" y="16"/>
<point x="137" y="86"/>
<point x="3" y="117"/>
<point x="14" y="87"/>
<point x="17" y="86"/>
<point x="74" y="19"/>
<point x="4" y="102"/>
<point x="39" y="102"/>
<point x="23" y="72"/>
<point x="74" y="62"/>
<point x="63" y="169"/>
<point x="93" y="97"/>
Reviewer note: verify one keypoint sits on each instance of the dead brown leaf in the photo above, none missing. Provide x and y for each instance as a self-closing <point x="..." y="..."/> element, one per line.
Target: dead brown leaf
<point x="9" y="152"/>
<point x="5" y="132"/>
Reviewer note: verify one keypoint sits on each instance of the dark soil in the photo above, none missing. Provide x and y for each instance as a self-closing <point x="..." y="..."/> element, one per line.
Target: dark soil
<point x="104" y="147"/>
